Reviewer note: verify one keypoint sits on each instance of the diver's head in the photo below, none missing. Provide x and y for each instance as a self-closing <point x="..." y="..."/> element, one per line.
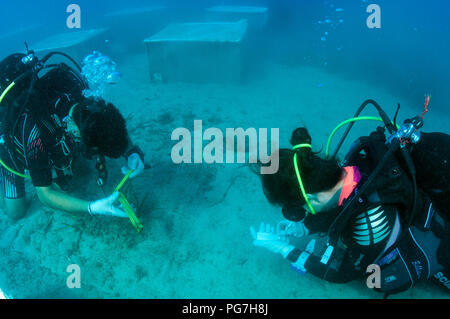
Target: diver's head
<point x="102" y="128"/>
<point x="319" y="176"/>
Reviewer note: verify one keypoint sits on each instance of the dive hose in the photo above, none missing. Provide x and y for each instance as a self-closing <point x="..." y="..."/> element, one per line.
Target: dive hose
<point x="9" y="169"/>
<point x="352" y="120"/>
<point x="384" y="117"/>
<point x="397" y="141"/>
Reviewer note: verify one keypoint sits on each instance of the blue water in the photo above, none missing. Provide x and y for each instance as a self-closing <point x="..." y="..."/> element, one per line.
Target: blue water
<point x="408" y="55"/>
<point x="312" y="64"/>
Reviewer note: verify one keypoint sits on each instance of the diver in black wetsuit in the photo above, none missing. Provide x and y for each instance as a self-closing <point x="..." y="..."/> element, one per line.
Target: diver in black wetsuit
<point x="379" y="228"/>
<point x="46" y="123"/>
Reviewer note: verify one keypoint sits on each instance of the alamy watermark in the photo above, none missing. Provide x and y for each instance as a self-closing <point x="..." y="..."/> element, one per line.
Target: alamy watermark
<point x="374" y="19"/>
<point x="74" y="279"/>
<point x="374" y="279"/>
<point x="224" y="148"/>
<point x="74" y="19"/>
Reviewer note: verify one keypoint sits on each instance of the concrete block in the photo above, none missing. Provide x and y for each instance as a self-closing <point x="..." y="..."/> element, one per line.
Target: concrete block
<point x="256" y="16"/>
<point x="197" y="52"/>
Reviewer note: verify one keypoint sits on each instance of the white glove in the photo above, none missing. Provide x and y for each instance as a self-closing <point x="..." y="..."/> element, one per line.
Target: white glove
<point x="267" y="238"/>
<point x="106" y="207"/>
<point x="134" y="163"/>
<point x="286" y="228"/>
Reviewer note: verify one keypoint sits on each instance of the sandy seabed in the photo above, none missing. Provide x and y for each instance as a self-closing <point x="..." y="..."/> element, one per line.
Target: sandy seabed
<point x="196" y="241"/>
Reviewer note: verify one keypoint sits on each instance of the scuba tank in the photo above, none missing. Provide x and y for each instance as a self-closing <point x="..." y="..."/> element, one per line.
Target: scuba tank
<point x="396" y="145"/>
<point x="18" y="77"/>
<point x="16" y="81"/>
<point x="431" y="155"/>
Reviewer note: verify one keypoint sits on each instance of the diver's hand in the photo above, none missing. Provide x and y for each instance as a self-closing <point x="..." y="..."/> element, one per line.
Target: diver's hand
<point x="286" y="228"/>
<point x="136" y="164"/>
<point x="267" y="238"/>
<point x="106" y="207"/>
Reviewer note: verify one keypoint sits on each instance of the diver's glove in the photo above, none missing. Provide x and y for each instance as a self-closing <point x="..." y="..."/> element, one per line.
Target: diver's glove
<point x="286" y="228"/>
<point x="106" y="207"/>
<point x="135" y="158"/>
<point x="267" y="237"/>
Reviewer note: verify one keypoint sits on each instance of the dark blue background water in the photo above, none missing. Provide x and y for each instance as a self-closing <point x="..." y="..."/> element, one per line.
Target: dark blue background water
<point x="409" y="55"/>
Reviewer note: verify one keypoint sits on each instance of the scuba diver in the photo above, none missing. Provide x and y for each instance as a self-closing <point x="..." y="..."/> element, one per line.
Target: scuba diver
<point x="384" y="208"/>
<point x="46" y="123"/>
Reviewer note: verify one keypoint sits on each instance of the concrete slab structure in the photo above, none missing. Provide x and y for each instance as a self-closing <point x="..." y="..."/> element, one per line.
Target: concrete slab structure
<point x="256" y="16"/>
<point x="197" y="52"/>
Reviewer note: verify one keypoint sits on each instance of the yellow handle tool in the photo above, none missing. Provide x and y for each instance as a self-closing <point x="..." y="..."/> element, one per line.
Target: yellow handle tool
<point x="126" y="205"/>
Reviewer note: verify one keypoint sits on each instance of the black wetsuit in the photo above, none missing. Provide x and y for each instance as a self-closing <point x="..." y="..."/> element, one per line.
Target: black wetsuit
<point x="39" y="143"/>
<point x="40" y="146"/>
<point x="378" y="232"/>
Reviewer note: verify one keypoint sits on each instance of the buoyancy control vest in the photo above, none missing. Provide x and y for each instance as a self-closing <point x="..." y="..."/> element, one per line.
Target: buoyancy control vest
<point x="47" y="99"/>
